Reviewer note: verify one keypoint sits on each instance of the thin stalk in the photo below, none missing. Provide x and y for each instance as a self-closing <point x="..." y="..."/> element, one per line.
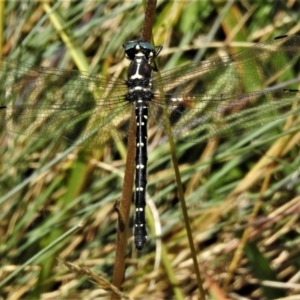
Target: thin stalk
<point x="123" y="209"/>
<point x="150" y="8"/>
<point x="183" y="204"/>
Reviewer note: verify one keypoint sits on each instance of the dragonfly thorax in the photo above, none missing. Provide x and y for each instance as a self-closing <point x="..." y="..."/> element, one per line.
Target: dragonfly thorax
<point x="139" y="80"/>
<point x="139" y="71"/>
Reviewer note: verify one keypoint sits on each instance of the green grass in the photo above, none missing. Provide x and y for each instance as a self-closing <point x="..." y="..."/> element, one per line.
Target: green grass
<point x="242" y="193"/>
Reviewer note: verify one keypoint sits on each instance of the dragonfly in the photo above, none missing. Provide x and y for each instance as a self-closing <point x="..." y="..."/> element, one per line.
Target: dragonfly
<point x="207" y="100"/>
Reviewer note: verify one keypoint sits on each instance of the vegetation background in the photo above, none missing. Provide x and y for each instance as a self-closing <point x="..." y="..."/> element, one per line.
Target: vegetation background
<point x="242" y="193"/>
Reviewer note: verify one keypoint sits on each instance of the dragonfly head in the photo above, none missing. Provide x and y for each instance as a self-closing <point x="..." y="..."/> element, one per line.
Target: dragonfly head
<point x="138" y="48"/>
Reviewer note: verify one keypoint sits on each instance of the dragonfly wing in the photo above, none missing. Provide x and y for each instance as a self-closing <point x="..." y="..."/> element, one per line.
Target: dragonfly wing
<point x="61" y="104"/>
<point x="228" y="95"/>
<point x="250" y="70"/>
